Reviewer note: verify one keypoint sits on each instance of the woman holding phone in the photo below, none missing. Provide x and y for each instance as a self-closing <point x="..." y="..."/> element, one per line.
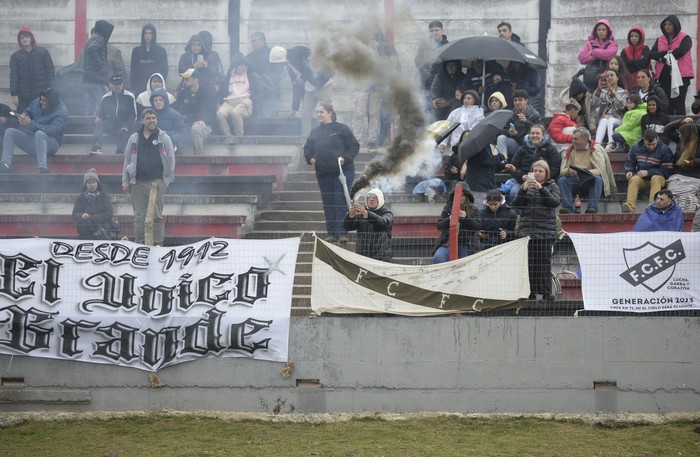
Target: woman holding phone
<point x="537" y="201"/>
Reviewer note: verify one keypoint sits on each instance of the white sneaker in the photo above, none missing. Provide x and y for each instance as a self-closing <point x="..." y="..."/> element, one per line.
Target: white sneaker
<point x="430" y="194"/>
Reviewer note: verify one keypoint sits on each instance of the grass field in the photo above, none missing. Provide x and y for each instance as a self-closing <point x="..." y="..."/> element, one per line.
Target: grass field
<point x="437" y="435"/>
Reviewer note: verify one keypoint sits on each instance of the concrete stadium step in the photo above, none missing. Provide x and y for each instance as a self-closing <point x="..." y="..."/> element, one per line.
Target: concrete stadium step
<point x="262" y="186"/>
<point x="63" y="226"/>
<point x="184" y="165"/>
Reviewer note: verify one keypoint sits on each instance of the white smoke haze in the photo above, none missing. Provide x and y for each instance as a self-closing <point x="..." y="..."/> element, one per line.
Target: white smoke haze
<point x="349" y="50"/>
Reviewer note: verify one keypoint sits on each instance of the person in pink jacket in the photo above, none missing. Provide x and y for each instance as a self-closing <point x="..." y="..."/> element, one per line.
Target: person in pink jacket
<point x="673" y="41"/>
<point x="600" y="46"/>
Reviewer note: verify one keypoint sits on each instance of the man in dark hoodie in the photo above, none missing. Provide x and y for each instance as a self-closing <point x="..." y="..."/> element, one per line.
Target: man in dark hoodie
<point x="444" y="85"/>
<point x="169" y="120"/>
<point x="198" y="55"/>
<point x="40" y="133"/>
<point x="31" y="70"/>
<point x="147" y="59"/>
<point x="115" y="117"/>
<point x="267" y="75"/>
<point x="196" y="102"/>
<point x="95" y="67"/>
<point x="674" y="42"/>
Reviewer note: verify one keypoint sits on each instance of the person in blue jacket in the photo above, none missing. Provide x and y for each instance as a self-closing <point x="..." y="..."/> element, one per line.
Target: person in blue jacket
<point x="664" y="215"/>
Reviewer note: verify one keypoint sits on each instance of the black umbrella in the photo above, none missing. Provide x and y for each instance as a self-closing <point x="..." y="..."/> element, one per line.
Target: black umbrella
<point x="489" y="48"/>
<point x="484" y="133"/>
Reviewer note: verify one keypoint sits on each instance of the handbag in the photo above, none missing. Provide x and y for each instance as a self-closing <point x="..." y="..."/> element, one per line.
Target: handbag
<point x="592" y="72"/>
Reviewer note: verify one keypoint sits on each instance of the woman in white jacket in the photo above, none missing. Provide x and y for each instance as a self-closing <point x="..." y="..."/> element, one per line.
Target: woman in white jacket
<point x="468" y="115"/>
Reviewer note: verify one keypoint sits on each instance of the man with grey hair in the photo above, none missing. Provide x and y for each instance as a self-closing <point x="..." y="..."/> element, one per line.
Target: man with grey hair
<point x="586" y="168"/>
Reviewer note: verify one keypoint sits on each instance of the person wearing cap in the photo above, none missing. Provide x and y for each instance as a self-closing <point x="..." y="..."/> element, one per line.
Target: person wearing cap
<point x="150" y="160"/>
<point x="469" y="227"/>
<point x="40" y="131"/>
<point x="92" y="211"/>
<point x="115" y="117"/>
<point x="238" y="90"/>
<point x="373" y="222"/>
<point x="196" y="101"/>
<point x="664" y="215"/>
<point x="537" y="200"/>
<point x="95" y="66"/>
<point x="497" y="220"/>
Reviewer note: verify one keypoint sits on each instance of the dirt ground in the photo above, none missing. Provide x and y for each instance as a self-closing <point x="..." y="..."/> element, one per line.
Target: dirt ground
<point x="12" y="418"/>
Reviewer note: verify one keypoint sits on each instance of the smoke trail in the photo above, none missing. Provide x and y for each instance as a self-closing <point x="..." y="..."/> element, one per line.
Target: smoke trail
<point x="348" y="51"/>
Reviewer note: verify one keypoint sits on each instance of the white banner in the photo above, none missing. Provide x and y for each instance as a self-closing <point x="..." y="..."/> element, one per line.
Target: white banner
<point x="123" y="303"/>
<point x="639" y="272"/>
<point x="345" y="282"/>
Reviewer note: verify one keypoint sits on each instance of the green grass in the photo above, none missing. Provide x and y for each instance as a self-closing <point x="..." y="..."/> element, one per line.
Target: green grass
<point x="189" y="436"/>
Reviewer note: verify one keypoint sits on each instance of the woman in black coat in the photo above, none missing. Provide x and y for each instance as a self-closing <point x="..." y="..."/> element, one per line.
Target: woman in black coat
<point x="92" y="210"/>
<point x="537" y="200"/>
<point x="373" y="222"/>
<point x="328" y="145"/>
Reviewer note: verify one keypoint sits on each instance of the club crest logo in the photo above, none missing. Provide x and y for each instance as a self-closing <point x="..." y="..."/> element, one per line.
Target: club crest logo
<point x="652" y="266"/>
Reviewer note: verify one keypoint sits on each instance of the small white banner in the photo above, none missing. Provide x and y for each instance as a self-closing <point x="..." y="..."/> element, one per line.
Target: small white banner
<point x="639" y="272"/>
<point x="345" y="282"/>
<point x="122" y="303"/>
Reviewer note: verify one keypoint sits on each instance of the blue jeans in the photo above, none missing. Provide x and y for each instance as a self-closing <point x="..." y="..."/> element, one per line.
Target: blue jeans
<point x="334" y="205"/>
<point x="569" y="186"/>
<point x="442" y="254"/>
<point x="507" y="144"/>
<point x="93" y="96"/>
<point x="35" y="143"/>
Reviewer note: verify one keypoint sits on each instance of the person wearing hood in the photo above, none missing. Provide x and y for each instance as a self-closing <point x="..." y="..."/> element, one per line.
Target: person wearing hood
<point x="469" y="226"/>
<point x="95" y="67"/>
<point x="497" y="220"/>
<point x="197" y="56"/>
<point x="600" y="46"/>
<point x="536" y="147"/>
<point x="578" y="91"/>
<point x="40" y="132"/>
<point x="495" y="101"/>
<point x="475" y="78"/>
<point x="673" y="42"/>
<point x="537" y="201"/>
<point x="92" y="210"/>
<point x="213" y="58"/>
<point x="373" y="222"/>
<point x="587" y="155"/>
<point x="636" y="55"/>
<point x="31" y="70"/>
<point x="664" y="215"/>
<point x="655" y="118"/>
<point x="238" y="89"/>
<point x="169" y="120"/>
<point x="115" y="117"/>
<point x="444" y="85"/>
<point x="468" y="115"/>
<point x="501" y="86"/>
<point x="330" y="147"/>
<point x="147" y="59"/>
<point x="156" y="81"/>
<point x="524" y="77"/>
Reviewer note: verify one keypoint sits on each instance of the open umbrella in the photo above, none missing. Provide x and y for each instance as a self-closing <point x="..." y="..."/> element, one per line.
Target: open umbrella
<point x="488" y="48"/>
<point x="483" y="133"/>
<point x="439" y="130"/>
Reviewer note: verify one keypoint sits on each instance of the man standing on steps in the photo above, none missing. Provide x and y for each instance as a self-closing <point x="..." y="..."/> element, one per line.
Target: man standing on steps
<point x="149" y="160"/>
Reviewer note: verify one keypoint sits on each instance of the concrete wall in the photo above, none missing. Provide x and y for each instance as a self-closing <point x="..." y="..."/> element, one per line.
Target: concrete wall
<point x="289" y="23"/>
<point x="450" y="364"/>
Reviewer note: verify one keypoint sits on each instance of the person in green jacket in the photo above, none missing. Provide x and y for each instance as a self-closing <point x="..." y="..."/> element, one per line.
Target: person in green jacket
<point x="630" y="131"/>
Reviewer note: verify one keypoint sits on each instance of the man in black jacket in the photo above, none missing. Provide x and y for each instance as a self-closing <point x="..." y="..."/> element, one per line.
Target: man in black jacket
<point x="116" y="116"/>
<point x="31" y="70"/>
<point x="196" y="102"/>
<point x="95" y="67"/>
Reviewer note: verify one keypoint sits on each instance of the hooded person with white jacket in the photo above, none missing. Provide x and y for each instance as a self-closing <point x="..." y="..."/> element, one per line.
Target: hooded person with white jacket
<point x="373" y="222"/>
<point x="468" y="115"/>
<point x="156" y="81"/>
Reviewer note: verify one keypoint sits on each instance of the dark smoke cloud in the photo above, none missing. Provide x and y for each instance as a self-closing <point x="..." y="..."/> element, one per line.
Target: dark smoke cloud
<point x="348" y="50"/>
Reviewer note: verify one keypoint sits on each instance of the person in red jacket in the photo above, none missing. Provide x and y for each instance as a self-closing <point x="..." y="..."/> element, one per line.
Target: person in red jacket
<point x="562" y="127"/>
<point x="636" y="55"/>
